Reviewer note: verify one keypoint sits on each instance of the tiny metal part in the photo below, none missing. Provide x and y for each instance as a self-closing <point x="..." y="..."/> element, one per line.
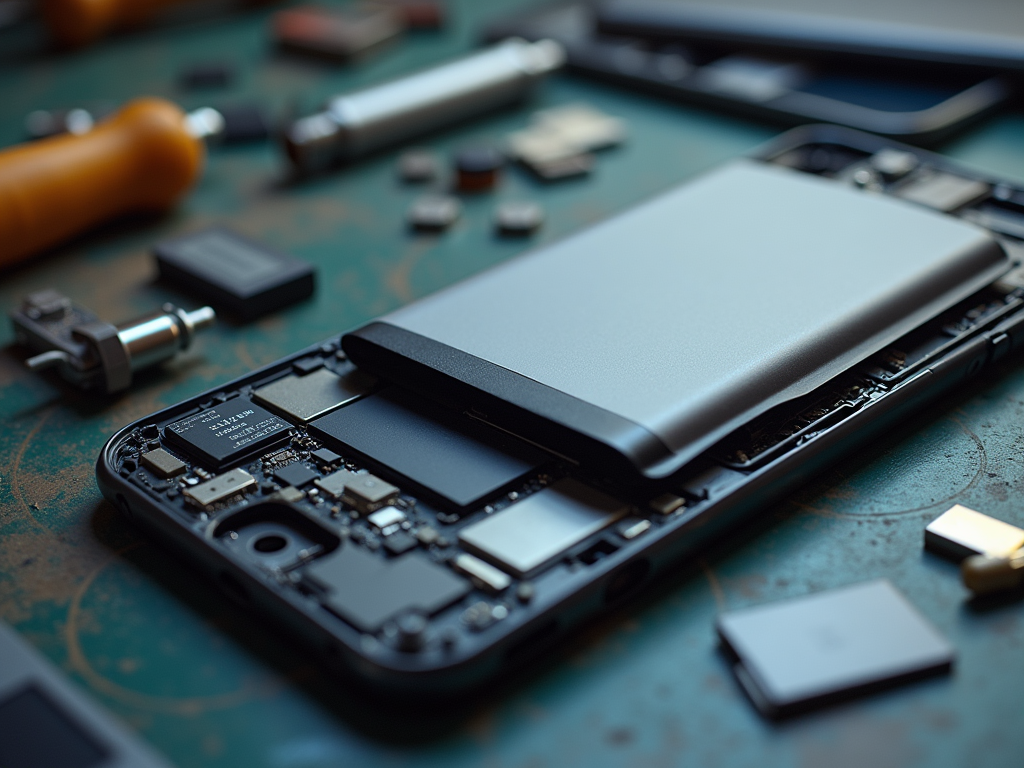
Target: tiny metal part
<point x="985" y="575"/>
<point x="525" y="592"/>
<point x="382" y="518"/>
<point x="345" y="34"/>
<point x="585" y="128"/>
<point x="811" y="650"/>
<point x="667" y="503"/>
<point x="356" y="124"/>
<point x="367" y="590"/>
<point x="566" y="168"/>
<point x="942" y="191"/>
<point x="894" y="163"/>
<point x="477" y="168"/>
<point x="427" y="535"/>
<point x="244" y="277"/>
<point x="296" y="475"/>
<point x="308" y="365"/>
<point x="518" y="218"/>
<point x="210" y="74"/>
<point x="368" y="492"/>
<point x="434" y="212"/>
<point x="304" y="398"/>
<point x="417" y="166"/>
<point x="334" y="485"/>
<point x="228" y="431"/>
<point x="490" y="577"/>
<point x="412" y="629"/>
<point x="531" y="533"/>
<point x="960" y="532"/>
<point x="630" y="529"/>
<point x="96" y="355"/>
<point x="162" y="464"/>
<point x="289" y="494"/>
<point x="221" y="487"/>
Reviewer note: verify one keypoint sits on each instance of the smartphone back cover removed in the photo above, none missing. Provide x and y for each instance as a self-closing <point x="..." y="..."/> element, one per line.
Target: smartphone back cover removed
<point x="656" y="333"/>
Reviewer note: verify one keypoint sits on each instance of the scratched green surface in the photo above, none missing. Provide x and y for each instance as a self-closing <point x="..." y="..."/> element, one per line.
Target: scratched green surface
<point x="210" y="686"/>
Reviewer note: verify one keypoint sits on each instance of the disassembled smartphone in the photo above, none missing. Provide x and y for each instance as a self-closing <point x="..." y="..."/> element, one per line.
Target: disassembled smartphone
<point x="435" y="497"/>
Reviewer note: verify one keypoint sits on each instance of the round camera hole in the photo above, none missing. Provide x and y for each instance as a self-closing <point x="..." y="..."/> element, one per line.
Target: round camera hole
<point x="270" y="543"/>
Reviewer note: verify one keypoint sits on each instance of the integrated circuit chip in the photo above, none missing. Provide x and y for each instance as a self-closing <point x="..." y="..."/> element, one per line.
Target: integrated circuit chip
<point x="306" y="397"/>
<point x="444" y="454"/>
<point x="226" y="432"/>
<point x="366" y="590"/>
<point x="538" y="529"/>
<point x="296" y="474"/>
<point x="233" y="272"/>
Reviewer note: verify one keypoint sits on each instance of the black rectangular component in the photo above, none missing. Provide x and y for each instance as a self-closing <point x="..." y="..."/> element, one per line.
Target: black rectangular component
<point x="226" y="432"/>
<point x="446" y="455"/>
<point x="810" y="650"/>
<point x="34" y="731"/>
<point x="296" y="474"/>
<point x="367" y="590"/>
<point x="233" y="272"/>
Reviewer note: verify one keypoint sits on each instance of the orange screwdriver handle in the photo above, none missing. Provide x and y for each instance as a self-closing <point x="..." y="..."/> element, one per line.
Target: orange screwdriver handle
<point x="74" y="23"/>
<point x="142" y="159"/>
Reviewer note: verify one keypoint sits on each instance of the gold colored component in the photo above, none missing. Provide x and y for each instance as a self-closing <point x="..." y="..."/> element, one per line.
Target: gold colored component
<point x="984" y="575"/>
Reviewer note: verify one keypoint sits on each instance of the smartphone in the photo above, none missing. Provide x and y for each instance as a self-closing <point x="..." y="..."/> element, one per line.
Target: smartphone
<point x="987" y="34"/>
<point x="429" y="501"/>
<point x="646" y="46"/>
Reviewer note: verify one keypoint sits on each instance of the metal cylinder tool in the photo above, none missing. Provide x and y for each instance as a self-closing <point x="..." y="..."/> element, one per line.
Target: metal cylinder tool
<point x="359" y="123"/>
<point x="96" y="355"/>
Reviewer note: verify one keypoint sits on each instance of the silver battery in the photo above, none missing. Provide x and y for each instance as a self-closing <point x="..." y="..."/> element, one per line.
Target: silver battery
<point x="358" y="123"/>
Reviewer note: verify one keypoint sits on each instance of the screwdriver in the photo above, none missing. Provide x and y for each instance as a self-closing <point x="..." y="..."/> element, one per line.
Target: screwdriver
<point x="141" y="159"/>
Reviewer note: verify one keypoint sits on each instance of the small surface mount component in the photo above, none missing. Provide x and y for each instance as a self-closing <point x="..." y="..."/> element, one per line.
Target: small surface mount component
<point x="516" y="219"/>
<point x="485" y="574"/>
<point x="227" y="431"/>
<point x="162" y="464"/>
<point x="541" y="527"/>
<point x="243" y="122"/>
<point x="207" y="74"/>
<point x="984" y="574"/>
<point x="295" y="475"/>
<point x="434" y="213"/>
<point x="307" y="397"/>
<point x="418" y="166"/>
<point x="960" y="532"/>
<point x="385" y="518"/>
<point x="221" y="487"/>
<point x="447" y="456"/>
<point x="244" y="277"/>
<point x="334" y="484"/>
<point x="97" y="355"/>
<point x="345" y="34"/>
<point x="366" y="590"/>
<point x="367" y="493"/>
<point x="942" y="191"/>
<point x="811" y="650"/>
<point x="558" y="142"/>
<point x="418" y="14"/>
<point x="478" y="168"/>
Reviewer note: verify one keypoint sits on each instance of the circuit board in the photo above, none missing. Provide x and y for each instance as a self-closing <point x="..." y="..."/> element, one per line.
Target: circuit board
<point x="417" y="536"/>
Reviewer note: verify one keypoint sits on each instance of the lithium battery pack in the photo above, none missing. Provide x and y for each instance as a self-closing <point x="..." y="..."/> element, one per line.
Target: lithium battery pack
<point x="234" y="273"/>
<point x="639" y="343"/>
<point x="812" y="650"/>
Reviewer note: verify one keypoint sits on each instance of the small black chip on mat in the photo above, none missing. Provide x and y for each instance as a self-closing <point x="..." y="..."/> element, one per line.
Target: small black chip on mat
<point x="228" y="431"/>
<point x="812" y="650"/>
<point x="233" y="272"/>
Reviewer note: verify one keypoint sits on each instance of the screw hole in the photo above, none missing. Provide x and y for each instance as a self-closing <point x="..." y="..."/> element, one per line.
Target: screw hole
<point x="270" y="543"/>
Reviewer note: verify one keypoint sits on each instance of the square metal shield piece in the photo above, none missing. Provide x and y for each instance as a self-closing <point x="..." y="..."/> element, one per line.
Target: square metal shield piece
<point x="811" y="650"/>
